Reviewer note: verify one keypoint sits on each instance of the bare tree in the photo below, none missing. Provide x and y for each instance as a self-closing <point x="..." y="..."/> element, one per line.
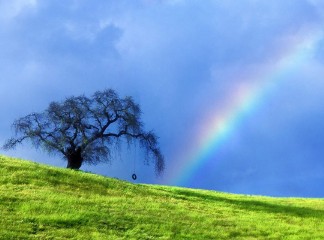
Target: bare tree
<point x="84" y="130"/>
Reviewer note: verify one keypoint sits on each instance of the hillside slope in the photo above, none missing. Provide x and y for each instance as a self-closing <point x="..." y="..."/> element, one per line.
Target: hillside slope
<point x="42" y="202"/>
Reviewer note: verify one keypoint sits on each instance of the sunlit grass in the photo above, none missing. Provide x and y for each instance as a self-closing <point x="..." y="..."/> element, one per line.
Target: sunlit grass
<point x="42" y="202"/>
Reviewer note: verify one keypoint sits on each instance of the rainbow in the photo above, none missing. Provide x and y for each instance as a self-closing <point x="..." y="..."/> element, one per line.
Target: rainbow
<point x="242" y="103"/>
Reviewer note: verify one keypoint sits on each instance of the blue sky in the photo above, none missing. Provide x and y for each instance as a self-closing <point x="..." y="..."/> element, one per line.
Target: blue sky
<point x="181" y="61"/>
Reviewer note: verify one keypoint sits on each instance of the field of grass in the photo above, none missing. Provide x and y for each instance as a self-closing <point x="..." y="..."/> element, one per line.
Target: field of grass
<point x="42" y="202"/>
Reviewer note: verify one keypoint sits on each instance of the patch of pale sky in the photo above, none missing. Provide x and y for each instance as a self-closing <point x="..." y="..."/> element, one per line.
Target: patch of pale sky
<point x="77" y="31"/>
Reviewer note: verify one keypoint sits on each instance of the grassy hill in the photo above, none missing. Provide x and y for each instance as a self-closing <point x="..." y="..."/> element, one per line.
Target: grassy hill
<point x="42" y="202"/>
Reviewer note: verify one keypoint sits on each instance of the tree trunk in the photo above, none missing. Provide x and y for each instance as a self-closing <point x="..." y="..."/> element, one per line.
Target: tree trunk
<point x="74" y="159"/>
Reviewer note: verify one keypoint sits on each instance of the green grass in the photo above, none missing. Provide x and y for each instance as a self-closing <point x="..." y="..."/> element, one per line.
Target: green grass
<point x="42" y="202"/>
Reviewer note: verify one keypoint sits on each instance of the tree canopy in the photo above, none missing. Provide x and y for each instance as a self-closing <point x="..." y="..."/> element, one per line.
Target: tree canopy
<point x="84" y="130"/>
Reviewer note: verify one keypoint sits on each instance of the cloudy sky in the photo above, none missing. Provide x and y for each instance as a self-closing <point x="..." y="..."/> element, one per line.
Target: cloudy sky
<point x="234" y="89"/>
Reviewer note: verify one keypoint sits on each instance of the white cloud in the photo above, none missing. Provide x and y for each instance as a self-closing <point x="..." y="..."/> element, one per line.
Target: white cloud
<point x="11" y="9"/>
